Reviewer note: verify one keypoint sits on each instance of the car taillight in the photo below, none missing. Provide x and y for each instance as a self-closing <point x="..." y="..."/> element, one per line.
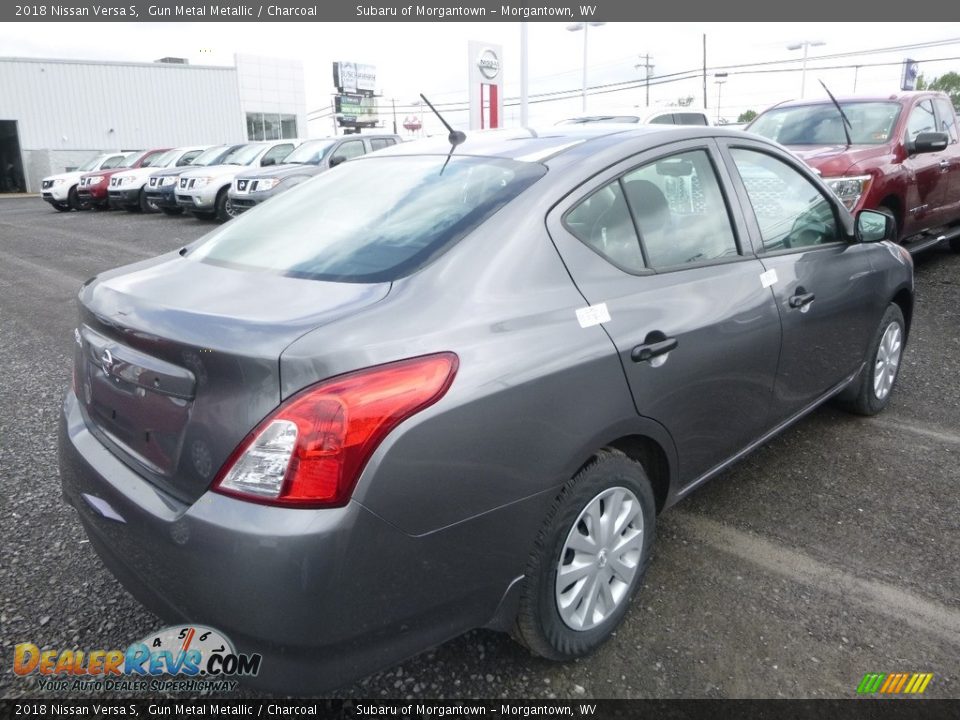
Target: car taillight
<point x="311" y="451"/>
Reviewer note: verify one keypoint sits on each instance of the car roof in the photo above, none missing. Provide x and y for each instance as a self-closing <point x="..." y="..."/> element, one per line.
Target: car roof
<point x="889" y="97"/>
<point x="540" y="144"/>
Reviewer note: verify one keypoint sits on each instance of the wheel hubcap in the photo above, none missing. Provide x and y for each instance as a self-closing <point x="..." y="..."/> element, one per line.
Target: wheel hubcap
<point x="600" y="558"/>
<point x="888" y="360"/>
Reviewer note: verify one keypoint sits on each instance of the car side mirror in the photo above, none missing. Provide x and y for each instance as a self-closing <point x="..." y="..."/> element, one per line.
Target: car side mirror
<point x="336" y="160"/>
<point x="266" y="162"/>
<point x="928" y="142"/>
<point x="873" y="226"/>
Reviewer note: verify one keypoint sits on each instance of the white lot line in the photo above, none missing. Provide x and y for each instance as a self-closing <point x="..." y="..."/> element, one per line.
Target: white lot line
<point x="878" y="597"/>
<point x="935" y="434"/>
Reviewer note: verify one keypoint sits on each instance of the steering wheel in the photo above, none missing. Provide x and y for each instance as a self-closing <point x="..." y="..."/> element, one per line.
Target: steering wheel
<point x="806" y="232"/>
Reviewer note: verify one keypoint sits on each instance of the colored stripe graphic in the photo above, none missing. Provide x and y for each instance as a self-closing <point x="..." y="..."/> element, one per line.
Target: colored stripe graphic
<point x="894" y="683"/>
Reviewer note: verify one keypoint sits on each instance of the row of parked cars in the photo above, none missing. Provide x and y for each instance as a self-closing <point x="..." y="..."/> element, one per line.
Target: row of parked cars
<point x="210" y="182"/>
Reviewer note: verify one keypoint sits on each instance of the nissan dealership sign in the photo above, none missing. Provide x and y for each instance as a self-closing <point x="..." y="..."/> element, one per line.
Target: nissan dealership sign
<point x="489" y="63"/>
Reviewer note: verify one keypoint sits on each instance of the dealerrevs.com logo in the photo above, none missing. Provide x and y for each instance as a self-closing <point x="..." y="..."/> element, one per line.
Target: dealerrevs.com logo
<point x="177" y="658"/>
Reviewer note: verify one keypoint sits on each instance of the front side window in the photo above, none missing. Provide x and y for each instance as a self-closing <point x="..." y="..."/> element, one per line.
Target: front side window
<point x="680" y="211"/>
<point x="381" y="143"/>
<point x="921" y="120"/>
<point x="791" y="211"/>
<point x="351" y="149"/>
<point x="188" y="157"/>
<point x="373" y="220"/>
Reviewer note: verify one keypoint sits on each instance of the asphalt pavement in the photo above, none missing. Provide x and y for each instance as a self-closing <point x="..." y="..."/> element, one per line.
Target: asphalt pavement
<point x="831" y="552"/>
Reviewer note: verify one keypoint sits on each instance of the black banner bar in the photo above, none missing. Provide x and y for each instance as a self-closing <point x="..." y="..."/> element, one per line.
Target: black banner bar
<point x="459" y="11"/>
<point x="524" y="709"/>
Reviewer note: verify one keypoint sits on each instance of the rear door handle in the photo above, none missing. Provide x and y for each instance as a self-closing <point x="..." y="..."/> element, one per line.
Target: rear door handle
<point x="798" y="301"/>
<point x="648" y="351"/>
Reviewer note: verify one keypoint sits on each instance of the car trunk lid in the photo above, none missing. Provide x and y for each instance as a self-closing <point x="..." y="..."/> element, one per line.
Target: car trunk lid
<point x="177" y="360"/>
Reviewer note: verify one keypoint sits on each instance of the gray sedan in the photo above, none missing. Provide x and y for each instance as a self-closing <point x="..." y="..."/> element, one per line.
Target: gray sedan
<point x="441" y="388"/>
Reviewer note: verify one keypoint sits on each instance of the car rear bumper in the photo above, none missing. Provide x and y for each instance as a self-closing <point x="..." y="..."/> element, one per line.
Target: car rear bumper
<point x="326" y="596"/>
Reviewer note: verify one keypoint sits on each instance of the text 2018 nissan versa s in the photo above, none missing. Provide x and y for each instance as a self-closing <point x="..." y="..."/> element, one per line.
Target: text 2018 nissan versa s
<point x="438" y="388"/>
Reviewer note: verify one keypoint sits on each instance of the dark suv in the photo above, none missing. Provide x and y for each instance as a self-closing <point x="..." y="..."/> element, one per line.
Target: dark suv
<point x="311" y="158"/>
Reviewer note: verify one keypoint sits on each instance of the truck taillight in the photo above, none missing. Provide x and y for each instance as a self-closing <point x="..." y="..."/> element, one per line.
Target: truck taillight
<point x="311" y="451"/>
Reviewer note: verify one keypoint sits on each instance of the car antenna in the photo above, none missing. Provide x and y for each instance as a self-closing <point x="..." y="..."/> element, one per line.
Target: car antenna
<point x="846" y="121"/>
<point x="455" y="137"/>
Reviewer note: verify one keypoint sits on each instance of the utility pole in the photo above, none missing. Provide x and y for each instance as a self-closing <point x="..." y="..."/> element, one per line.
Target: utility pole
<point x="394" y="102"/>
<point x="648" y="67"/>
<point x="704" y="71"/>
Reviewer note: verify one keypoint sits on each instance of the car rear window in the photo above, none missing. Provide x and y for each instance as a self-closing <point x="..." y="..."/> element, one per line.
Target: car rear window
<point x="373" y="219"/>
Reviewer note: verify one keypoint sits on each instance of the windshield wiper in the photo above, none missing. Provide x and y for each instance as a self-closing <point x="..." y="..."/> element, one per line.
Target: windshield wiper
<point x="846" y="121"/>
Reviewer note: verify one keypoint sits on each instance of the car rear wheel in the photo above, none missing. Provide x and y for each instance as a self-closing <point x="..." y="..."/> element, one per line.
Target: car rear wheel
<point x="588" y="560"/>
<point x="870" y="392"/>
<point x="172" y="211"/>
<point x="955" y="244"/>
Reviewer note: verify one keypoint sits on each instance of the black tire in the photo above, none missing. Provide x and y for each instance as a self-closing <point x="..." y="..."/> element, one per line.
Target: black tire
<point x="955" y="244"/>
<point x="146" y="206"/>
<point x="172" y="211"/>
<point x="893" y="216"/>
<point x="61" y="206"/>
<point x="539" y="625"/>
<point x="73" y="200"/>
<point x="204" y="215"/>
<point x="223" y="210"/>
<point x="861" y="396"/>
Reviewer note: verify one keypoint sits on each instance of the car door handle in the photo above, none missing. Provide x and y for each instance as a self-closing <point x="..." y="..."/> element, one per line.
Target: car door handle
<point x="798" y="301"/>
<point x="648" y="351"/>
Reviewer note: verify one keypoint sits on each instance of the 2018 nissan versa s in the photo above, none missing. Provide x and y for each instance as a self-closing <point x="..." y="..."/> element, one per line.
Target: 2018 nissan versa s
<point x="439" y="387"/>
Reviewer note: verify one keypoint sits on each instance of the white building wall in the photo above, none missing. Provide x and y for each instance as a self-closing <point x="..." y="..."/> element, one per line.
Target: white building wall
<point x="272" y="85"/>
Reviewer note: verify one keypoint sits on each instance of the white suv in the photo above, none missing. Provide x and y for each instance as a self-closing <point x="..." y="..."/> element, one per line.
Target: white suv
<point x="203" y="191"/>
<point x="61" y="190"/>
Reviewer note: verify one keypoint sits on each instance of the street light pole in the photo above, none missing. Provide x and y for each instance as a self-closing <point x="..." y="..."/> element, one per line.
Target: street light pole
<point x="721" y="78"/>
<point x="576" y="27"/>
<point x="524" y="76"/>
<point x="806" y="45"/>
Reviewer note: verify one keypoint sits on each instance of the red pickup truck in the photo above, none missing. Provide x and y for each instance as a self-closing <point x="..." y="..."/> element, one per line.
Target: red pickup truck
<point x="897" y="153"/>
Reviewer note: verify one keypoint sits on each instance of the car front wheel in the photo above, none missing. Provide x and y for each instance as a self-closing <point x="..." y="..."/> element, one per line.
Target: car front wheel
<point x="870" y="392"/>
<point x="588" y="560"/>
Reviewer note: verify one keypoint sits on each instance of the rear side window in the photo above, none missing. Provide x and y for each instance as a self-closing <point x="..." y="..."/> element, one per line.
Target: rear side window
<point x="791" y="210"/>
<point x="688" y="118"/>
<point x="948" y="119"/>
<point x="921" y="120"/>
<point x="663" y="120"/>
<point x="381" y="143"/>
<point x="602" y="222"/>
<point x="676" y="205"/>
<point x="373" y="220"/>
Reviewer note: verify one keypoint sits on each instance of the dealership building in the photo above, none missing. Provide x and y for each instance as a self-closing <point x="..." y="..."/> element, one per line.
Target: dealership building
<point x="54" y="114"/>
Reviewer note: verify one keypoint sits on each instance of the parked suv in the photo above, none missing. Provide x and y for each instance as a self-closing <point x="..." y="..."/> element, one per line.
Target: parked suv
<point x="203" y="191"/>
<point x="127" y="189"/>
<point x="311" y="158"/>
<point x="61" y="190"/>
<point x="898" y="153"/>
<point x="93" y="187"/>
<point x="427" y="391"/>
<point x="161" y="186"/>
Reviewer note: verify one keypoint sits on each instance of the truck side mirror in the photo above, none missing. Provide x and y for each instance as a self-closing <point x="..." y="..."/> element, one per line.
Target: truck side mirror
<point x="336" y="160"/>
<point x="927" y="142"/>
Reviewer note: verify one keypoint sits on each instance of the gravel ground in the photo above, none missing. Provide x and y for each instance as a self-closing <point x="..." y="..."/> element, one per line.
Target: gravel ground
<point x="831" y="552"/>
